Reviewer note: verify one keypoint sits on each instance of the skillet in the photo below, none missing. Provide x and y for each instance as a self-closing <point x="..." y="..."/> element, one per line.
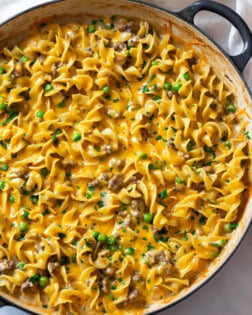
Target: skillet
<point x="228" y="68"/>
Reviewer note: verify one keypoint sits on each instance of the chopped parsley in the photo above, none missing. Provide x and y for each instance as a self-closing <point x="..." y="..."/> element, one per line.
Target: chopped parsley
<point x="44" y="172"/>
<point x="34" y="199"/>
<point x="5" y="167"/>
<point x="185" y="236"/>
<point x="247" y="135"/>
<point x="157" y="165"/>
<point x="163" y="194"/>
<point x="61" y="235"/>
<point x="202" y="220"/>
<point x="210" y="151"/>
<point x="190" y="145"/>
<point x="144" y="89"/>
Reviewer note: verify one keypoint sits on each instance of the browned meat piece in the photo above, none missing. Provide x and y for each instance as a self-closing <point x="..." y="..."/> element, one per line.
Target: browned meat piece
<point x="72" y="90"/>
<point x="192" y="62"/>
<point x="108" y="148"/>
<point x="114" y="113"/>
<point x="122" y="214"/>
<point x="27" y="285"/>
<point x="116" y="183"/>
<point x="145" y="133"/>
<point x="21" y="173"/>
<point x="41" y="58"/>
<point x="53" y="267"/>
<point x="19" y="70"/>
<point x="214" y="106"/>
<point x="155" y="256"/>
<point x="21" y="107"/>
<point x="42" y="272"/>
<point x="162" y="257"/>
<point x="171" y="143"/>
<point x="54" y="70"/>
<point x="100" y="181"/>
<point x="164" y="269"/>
<point x="209" y="94"/>
<point x="116" y="235"/>
<point x="135" y="178"/>
<point x="121" y="26"/>
<point x="130" y="27"/>
<point x="6" y="265"/>
<point x="104" y="177"/>
<point x="169" y="94"/>
<point x="94" y="183"/>
<point x="136" y="214"/>
<point x="133" y="297"/>
<point x="133" y="41"/>
<point x="126" y="222"/>
<point x="155" y="230"/>
<point x="118" y="46"/>
<point x="110" y="271"/>
<point x="26" y="96"/>
<point x="16" y="73"/>
<point x="95" y="250"/>
<point x="91" y="243"/>
<point x="78" y="64"/>
<point x="231" y="117"/>
<point x="105" y="285"/>
<point x="136" y="277"/>
<point x="138" y="207"/>
<point x="115" y="162"/>
<point x="138" y="204"/>
<point x="201" y="186"/>
<point x="200" y="232"/>
<point x="68" y="163"/>
<point x="159" y="87"/>
<point x="88" y="51"/>
<point x="132" y="105"/>
<point x="186" y="156"/>
<point x="61" y="64"/>
<point x="39" y="248"/>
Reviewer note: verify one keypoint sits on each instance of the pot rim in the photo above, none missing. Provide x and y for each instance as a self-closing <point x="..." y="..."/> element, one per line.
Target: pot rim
<point x="7" y="302"/>
<point x="155" y="6"/>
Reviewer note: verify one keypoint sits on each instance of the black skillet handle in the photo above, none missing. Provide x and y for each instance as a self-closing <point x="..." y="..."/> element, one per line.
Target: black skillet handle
<point x="2" y="303"/>
<point x="189" y="13"/>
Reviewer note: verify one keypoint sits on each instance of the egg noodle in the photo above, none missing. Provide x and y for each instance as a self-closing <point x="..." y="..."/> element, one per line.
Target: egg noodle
<point x="123" y="166"/>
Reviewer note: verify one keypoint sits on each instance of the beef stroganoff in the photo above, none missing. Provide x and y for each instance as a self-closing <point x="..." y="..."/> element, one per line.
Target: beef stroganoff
<point x="123" y="167"/>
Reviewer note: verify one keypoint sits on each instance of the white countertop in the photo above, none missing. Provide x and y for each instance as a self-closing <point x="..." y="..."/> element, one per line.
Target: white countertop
<point x="229" y="292"/>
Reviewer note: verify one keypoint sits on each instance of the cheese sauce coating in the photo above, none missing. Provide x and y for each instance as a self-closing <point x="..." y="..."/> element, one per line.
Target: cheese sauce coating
<point x="123" y="165"/>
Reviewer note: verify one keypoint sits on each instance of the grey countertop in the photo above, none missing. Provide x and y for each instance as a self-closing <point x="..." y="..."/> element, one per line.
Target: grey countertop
<point x="229" y="292"/>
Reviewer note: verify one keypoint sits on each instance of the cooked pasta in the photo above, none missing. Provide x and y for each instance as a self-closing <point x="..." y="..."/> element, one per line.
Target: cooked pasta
<point x="123" y="167"/>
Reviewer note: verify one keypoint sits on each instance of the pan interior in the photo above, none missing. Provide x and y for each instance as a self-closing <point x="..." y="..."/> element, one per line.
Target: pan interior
<point x="60" y="12"/>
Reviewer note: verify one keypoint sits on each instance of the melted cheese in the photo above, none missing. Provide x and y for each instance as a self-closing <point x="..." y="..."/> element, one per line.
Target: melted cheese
<point x="111" y="128"/>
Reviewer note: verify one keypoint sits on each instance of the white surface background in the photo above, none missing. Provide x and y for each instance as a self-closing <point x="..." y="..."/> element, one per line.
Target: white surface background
<point x="230" y="291"/>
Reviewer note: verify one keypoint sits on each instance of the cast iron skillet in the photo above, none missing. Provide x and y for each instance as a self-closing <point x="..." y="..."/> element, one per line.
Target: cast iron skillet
<point x="239" y="62"/>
